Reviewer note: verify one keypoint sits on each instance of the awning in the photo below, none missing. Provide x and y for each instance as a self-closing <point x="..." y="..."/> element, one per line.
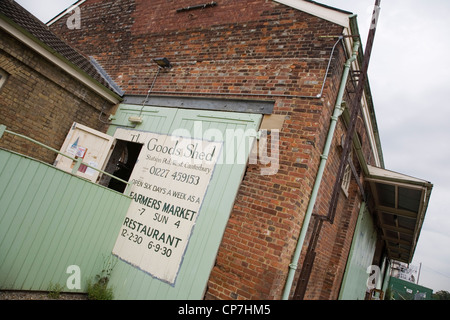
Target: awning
<point x="400" y="203"/>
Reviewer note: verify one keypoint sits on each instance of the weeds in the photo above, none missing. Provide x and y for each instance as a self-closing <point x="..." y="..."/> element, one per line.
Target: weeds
<point x="54" y="291"/>
<point x="99" y="289"/>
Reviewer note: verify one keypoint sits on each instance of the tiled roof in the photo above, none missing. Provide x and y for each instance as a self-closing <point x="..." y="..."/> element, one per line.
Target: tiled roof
<point x="38" y="29"/>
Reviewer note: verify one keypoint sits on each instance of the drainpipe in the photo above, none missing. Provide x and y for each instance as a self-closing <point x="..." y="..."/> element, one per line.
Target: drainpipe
<point x="338" y="110"/>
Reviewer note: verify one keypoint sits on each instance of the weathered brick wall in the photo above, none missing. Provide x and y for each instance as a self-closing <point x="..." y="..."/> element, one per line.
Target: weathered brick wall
<point x="41" y="101"/>
<point x="242" y="49"/>
<point x="335" y="238"/>
<point x="276" y="50"/>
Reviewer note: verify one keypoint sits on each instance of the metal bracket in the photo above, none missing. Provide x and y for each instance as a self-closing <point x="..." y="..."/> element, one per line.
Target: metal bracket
<point x="199" y="6"/>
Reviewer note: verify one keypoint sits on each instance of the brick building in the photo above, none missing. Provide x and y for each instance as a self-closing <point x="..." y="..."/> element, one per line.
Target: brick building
<point x="279" y="67"/>
<point x="48" y="84"/>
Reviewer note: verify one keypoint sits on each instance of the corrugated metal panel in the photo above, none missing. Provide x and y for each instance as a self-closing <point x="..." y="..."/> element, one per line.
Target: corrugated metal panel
<point x="50" y="220"/>
<point x="154" y="119"/>
<point x="131" y="283"/>
<point x="354" y="284"/>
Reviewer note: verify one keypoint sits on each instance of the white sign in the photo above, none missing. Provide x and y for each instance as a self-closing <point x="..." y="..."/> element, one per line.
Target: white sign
<point x="408" y="273"/>
<point x="170" y="181"/>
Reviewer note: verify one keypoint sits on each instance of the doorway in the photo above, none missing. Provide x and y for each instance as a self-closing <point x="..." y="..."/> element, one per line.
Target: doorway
<point x="121" y="163"/>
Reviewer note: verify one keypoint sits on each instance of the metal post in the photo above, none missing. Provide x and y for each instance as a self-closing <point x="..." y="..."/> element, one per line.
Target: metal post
<point x="78" y="161"/>
<point x="77" y="165"/>
<point x="418" y="276"/>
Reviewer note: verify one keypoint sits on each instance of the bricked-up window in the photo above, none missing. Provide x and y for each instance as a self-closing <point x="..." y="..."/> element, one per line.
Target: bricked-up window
<point x="3" y="77"/>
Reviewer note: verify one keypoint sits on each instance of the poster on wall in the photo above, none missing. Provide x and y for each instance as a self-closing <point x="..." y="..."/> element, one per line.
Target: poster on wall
<point x="169" y="183"/>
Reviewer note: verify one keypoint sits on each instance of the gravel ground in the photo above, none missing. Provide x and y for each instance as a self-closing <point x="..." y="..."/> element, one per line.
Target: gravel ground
<point x="28" y="295"/>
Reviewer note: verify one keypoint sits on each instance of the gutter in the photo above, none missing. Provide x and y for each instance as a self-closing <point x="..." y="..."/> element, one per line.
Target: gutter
<point x="338" y="110"/>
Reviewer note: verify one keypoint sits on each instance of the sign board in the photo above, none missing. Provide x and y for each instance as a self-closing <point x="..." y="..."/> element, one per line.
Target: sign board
<point x="169" y="183"/>
<point x="408" y="273"/>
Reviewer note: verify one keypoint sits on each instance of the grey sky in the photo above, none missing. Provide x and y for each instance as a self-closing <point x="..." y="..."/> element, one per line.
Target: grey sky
<point x="409" y="77"/>
<point x="409" y="81"/>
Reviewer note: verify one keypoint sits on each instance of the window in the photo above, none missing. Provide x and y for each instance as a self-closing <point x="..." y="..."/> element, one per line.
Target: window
<point x="347" y="175"/>
<point x="3" y="77"/>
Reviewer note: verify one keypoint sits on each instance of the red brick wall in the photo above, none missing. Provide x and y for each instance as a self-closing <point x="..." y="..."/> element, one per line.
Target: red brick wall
<point x="39" y="100"/>
<point x="335" y="238"/>
<point x="240" y="49"/>
<point x="276" y="50"/>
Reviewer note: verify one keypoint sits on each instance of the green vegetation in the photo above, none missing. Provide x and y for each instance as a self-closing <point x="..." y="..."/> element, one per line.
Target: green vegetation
<point x="441" y="295"/>
<point x="98" y="290"/>
<point x="54" y="290"/>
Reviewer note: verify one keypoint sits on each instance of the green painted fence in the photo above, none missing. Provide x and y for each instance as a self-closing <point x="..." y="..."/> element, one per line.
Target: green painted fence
<point x="50" y="220"/>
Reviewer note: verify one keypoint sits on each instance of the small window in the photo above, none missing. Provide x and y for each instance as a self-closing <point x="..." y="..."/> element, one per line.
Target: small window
<point x="347" y="175"/>
<point x="3" y="77"/>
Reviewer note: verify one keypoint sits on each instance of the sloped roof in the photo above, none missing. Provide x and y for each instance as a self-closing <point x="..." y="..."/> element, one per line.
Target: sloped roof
<point x="23" y="19"/>
<point x="400" y="203"/>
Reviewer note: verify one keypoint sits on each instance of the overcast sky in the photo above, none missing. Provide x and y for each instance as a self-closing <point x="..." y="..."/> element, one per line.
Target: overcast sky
<point x="409" y="76"/>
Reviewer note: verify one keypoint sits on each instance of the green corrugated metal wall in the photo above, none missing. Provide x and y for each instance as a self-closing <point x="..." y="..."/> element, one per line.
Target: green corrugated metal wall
<point x="354" y="284"/>
<point x="50" y="220"/>
<point x="131" y="283"/>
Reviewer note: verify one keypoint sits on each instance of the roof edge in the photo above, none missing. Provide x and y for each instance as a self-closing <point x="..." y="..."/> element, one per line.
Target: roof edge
<point x="390" y="175"/>
<point x="322" y="11"/>
<point x="348" y="20"/>
<point x="51" y="54"/>
<point x="64" y="12"/>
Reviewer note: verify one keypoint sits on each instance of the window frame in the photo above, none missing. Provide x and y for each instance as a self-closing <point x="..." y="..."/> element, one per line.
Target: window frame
<point x="347" y="177"/>
<point x="3" y="77"/>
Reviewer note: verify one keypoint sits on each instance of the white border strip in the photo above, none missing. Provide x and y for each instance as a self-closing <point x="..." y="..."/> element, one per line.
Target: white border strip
<point x="68" y="10"/>
<point x="331" y="15"/>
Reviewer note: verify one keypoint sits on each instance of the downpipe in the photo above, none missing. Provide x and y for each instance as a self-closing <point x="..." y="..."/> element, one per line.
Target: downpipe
<point x="338" y="110"/>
